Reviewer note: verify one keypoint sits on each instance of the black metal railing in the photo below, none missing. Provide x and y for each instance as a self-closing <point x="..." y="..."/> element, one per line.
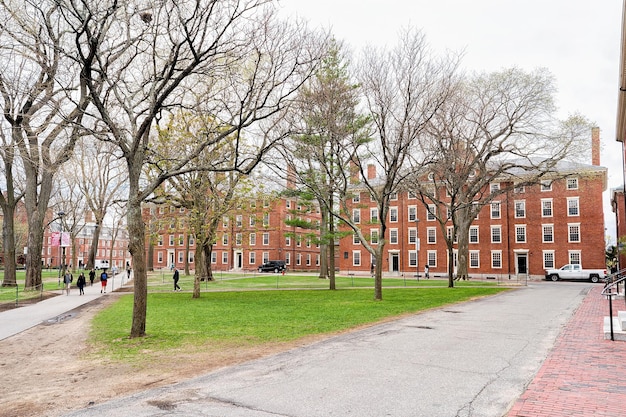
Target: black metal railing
<point x="613" y="282"/>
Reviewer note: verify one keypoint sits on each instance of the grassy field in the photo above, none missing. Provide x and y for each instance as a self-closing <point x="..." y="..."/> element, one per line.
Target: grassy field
<point x="248" y="309"/>
<point x="236" y="318"/>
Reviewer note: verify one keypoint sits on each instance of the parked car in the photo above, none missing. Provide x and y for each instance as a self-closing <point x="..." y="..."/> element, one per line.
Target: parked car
<point x="275" y="266"/>
<point x="575" y="272"/>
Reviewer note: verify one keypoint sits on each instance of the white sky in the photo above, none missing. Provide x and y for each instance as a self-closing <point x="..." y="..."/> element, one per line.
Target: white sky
<point x="577" y="40"/>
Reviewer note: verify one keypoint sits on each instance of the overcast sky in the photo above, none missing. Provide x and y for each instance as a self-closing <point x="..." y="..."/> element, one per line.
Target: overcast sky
<point x="577" y="40"/>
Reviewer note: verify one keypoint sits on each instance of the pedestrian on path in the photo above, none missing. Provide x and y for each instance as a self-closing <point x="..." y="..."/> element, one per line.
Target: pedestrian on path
<point x="92" y="276"/>
<point x="426" y="273"/>
<point x="176" y="277"/>
<point x="80" y="283"/>
<point x="67" y="280"/>
<point x="103" y="280"/>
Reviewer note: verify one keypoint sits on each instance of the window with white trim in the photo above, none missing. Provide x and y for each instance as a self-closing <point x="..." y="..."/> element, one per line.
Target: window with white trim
<point x="356" y="215"/>
<point x="412" y="213"/>
<point x="520" y="233"/>
<point x="496" y="234"/>
<point x="573" y="232"/>
<point x="266" y="239"/>
<point x="412" y="258"/>
<point x="473" y="234"/>
<point x="393" y="236"/>
<point x="574" y="257"/>
<point x="496" y="259"/>
<point x="474" y="256"/>
<point x="412" y="235"/>
<point x="374" y="215"/>
<point x="224" y="257"/>
<point x="431" y="213"/>
<point x="308" y="259"/>
<point x="266" y="257"/>
<point x="239" y="220"/>
<point x="494" y="187"/>
<point x="572" y="183"/>
<point x="225" y="239"/>
<point x="288" y="258"/>
<point x="266" y="219"/>
<point x="431" y="234"/>
<point x="546" y="185"/>
<point x="449" y="231"/>
<point x="252" y="258"/>
<point x="548" y="259"/>
<point x="160" y="257"/>
<point x="546" y="207"/>
<point x="547" y="233"/>
<point x="520" y="209"/>
<point x="495" y="210"/>
<point x="171" y="240"/>
<point x="431" y="257"/>
<point x="572" y="206"/>
<point x="252" y="239"/>
<point x="355" y="239"/>
<point x="393" y="214"/>
<point x="238" y="239"/>
<point x="356" y="258"/>
<point x="213" y="257"/>
<point x="374" y="236"/>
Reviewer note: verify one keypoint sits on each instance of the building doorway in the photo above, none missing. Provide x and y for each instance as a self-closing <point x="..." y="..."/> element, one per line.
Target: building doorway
<point x="238" y="260"/>
<point x="522" y="264"/>
<point x="394" y="265"/>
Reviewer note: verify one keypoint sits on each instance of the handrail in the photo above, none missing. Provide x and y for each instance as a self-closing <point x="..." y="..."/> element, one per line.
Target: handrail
<point x="607" y="291"/>
<point x="610" y="282"/>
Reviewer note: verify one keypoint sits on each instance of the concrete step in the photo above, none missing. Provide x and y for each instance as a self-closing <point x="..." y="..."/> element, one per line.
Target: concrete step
<point x="618" y="333"/>
<point x="621" y="316"/>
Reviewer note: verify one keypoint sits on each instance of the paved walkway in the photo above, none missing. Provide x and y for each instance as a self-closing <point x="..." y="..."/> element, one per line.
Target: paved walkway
<point x="584" y="375"/>
<point x="17" y="320"/>
<point x="535" y="352"/>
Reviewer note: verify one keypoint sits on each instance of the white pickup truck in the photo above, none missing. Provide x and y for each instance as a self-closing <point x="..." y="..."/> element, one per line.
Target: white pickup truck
<point x="575" y="271"/>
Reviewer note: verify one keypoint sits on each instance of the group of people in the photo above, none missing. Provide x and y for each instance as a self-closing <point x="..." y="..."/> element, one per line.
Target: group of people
<point x="81" y="283"/>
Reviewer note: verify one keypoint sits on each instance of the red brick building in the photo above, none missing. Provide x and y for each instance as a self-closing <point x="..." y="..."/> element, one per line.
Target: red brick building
<point x="518" y="235"/>
<point x="112" y="246"/>
<point x="249" y="235"/>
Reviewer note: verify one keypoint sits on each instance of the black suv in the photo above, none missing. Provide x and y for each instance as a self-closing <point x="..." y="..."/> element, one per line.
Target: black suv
<point x="276" y="266"/>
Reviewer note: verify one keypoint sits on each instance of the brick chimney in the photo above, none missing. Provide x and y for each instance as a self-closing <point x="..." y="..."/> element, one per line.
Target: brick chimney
<point x="354" y="173"/>
<point x="595" y="146"/>
<point x="371" y="171"/>
<point x="291" y="177"/>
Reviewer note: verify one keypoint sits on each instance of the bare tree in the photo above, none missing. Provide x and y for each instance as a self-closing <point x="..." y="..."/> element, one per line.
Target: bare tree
<point x="231" y="59"/>
<point x="497" y="127"/>
<point x="102" y="176"/>
<point x="404" y="89"/>
<point x="43" y="104"/>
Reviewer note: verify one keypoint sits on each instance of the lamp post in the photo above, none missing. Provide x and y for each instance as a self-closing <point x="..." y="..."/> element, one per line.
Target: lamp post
<point x="417" y="266"/>
<point x="61" y="247"/>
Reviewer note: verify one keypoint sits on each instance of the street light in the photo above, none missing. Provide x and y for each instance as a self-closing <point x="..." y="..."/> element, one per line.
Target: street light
<point x="417" y="266"/>
<point x="61" y="247"/>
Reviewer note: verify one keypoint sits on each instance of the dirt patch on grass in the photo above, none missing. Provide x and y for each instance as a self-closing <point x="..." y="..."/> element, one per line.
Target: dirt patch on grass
<point x="49" y="370"/>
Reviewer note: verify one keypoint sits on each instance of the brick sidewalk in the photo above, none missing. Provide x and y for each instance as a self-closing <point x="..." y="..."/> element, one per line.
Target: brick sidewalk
<point x="584" y="375"/>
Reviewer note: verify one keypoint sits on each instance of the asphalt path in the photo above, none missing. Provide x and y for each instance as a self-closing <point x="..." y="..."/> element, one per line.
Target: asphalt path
<point x="470" y="359"/>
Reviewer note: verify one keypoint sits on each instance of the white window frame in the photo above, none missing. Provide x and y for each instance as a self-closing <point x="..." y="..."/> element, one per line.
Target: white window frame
<point x="374" y="215"/>
<point x="570" y="227"/>
<point x="573" y="206"/>
<point x="393" y="214"/>
<point x="431" y="258"/>
<point x="496" y="210"/>
<point x="520" y="213"/>
<point x="225" y="258"/>
<point x="574" y="257"/>
<point x="431" y="235"/>
<point x="496" y="259"/>
<point x="412" y="213"/>
<point x="412" y="258"/>
<point x="374" y="236"/>
<point x="497" y="228"/>
<point x="474" y="259"/>
<point x="393" y="236"/>
<point x="266" y="238"/>
<point x="546" y="185"/>
<point x="547" y="207"/>
<point x="431" y="213"/>
<point x="548" y="259"/>
<point x="252" y="239"/>
<point x="356" y="215"/>
<point x="572" y="183"/>
<point x="517" y="235"/>
<point x="412" y="235"/>
<point x="547" y="228"/>
<point x="252" y="258"/>
<point x="474" y="235"/>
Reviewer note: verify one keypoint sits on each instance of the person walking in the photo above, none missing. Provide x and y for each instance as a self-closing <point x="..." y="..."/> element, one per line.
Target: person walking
<point x="80" y="283"/>
<point x="176" y="277"/>
<point x="92" y="276"/>
<point x="426" y="274"/>
<point x="67" y="280"/>
<point x="103" y="280"/>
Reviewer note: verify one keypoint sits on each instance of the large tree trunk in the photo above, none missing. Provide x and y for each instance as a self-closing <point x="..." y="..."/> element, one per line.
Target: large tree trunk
<point x="136" y="233"/>
<point x="91" y="257"/>
<point x="463" y="222"/>
<point x="378" y="271"/>
<point x="33" y="257"/>
<point x="200" y="273"/>
<point x="8" y="240"/>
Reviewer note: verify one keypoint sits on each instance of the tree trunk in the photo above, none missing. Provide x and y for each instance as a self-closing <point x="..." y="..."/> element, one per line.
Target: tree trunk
<point x="91" y="257"/>
<point x="136" y="232"/>
<point x="450" y="266"/>
<point x="8" y="240"/>
<point x="200" y="273"/>
<point x="187" y="254"/>
<point x="378" y="271"/>
<point x="324" y="261"/>
<point x="463" y="246"/>
<point x="331" y="250"/>
<point x="33" y="257"/>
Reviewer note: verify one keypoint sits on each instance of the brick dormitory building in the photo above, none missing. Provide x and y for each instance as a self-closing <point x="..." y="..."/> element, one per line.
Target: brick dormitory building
<point x="247" y="236"/>
<point x="517" y="236"/>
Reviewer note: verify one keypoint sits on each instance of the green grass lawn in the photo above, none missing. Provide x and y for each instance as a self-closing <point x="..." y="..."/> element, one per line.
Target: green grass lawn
<point x="235" y="318"/>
